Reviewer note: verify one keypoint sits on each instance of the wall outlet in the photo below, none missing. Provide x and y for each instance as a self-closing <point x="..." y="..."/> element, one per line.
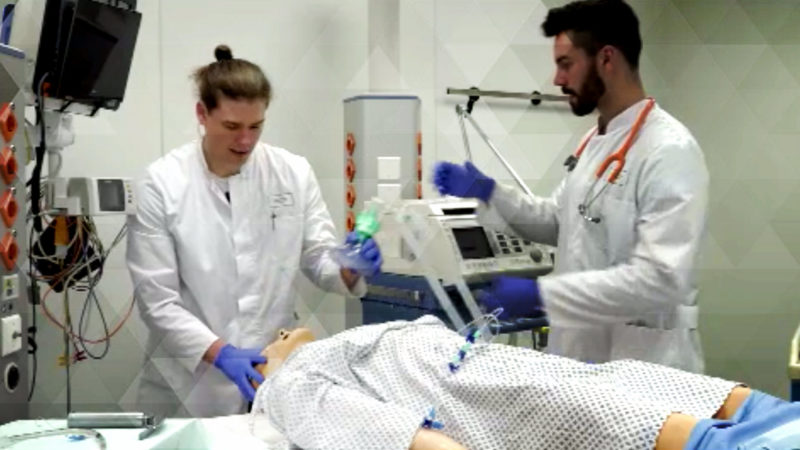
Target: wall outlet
<point x="11" y="332"/>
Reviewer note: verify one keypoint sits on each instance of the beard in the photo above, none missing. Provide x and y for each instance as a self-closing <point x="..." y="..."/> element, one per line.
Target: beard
<point x="585" y="101"/>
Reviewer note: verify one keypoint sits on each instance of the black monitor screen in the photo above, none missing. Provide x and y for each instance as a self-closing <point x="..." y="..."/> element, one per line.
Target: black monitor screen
<point x="112" y="195"/>
<point x="86" y="50"/>
<point x="472" y="243"/>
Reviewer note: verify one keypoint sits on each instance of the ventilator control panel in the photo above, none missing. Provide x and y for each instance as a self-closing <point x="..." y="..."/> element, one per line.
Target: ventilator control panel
<point x="484" y="253"/>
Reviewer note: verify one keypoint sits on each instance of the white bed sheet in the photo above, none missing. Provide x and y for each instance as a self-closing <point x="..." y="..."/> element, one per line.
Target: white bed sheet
<point x="243" y="432"/>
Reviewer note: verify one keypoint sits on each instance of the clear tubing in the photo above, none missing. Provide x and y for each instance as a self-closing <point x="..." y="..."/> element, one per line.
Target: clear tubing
<point x="94" y="435"/>
<point x="410" y="224"/>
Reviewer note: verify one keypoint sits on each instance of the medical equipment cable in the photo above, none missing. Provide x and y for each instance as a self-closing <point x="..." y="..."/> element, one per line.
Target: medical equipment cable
<point x="407" y="220"/>
<point x="40" y="151"/>
<point x="414" y="232"/>
<point x="67" y="330"/>
<point x="83" y="322"/>
<point x="94" y="280"/>
<point x="35" y="216"/>
<point x="455" y="364"/>
<point x="67" y="361"/>
<point x="85" y="237"/>
<point x="478" y="329"/>
<point x="92" y="286"/>
<point x="466" y="296"/>
<point x="32" y="347"/>
<point x="35" y="184"/>
<point x="49" y="315"/>
<point x="92" y="434"/>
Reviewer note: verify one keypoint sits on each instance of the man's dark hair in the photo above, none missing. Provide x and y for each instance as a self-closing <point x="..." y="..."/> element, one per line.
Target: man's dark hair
<point x="593" y="24"/>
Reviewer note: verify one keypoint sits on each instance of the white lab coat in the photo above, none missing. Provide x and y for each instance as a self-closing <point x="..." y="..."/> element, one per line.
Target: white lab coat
<point x="624" y="287"/>
<point x="205" y="268"/>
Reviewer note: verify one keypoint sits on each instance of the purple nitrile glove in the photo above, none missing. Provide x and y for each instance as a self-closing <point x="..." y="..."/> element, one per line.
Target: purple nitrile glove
<point x="519" y="297"/>
<point x="462" y="181"/>
<point x="238" y="365"/>
<point x="369" y="253"/>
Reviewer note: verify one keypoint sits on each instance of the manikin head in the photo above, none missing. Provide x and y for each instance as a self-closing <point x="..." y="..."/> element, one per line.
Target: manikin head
<point x="279" y="350"/>
<point x="233" y="98"/>
<point x="596" y="50"/>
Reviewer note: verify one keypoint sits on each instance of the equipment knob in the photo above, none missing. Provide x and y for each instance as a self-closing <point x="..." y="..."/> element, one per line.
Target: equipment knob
<point x="537" y="256"/>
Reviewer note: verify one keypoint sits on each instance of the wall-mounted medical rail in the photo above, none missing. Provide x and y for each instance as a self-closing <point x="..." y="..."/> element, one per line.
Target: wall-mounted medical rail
<point x="535" y="97"/>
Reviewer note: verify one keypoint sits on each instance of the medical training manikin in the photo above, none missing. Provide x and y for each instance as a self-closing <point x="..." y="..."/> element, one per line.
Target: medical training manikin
<point x="377" y="386"/>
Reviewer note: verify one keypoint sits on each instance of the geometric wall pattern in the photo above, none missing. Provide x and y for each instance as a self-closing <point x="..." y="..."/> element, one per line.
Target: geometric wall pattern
<point x="727" y="69"/>
<point x="730" y="71"/>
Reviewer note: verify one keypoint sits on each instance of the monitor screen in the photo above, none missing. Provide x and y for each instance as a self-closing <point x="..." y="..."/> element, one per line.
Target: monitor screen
<point x="472" y="243"/>
<point x="111" y="195"/>
<point x="86" y="49"/>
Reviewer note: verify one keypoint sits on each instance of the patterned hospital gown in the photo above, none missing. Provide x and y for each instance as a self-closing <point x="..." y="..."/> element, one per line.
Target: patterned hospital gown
<point x="371" y="387"/>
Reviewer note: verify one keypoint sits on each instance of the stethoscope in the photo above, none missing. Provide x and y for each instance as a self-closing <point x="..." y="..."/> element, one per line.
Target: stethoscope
<point x="616" y="157"/>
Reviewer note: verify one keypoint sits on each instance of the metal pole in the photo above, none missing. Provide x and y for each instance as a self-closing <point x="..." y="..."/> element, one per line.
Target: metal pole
<point x="460" y="111"/>
<point x="535" y="97"/>
<point x="498" y="154"/>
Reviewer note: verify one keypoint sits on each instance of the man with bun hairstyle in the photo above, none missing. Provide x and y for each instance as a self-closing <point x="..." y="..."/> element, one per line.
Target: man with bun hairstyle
<point x="224" y="224"/>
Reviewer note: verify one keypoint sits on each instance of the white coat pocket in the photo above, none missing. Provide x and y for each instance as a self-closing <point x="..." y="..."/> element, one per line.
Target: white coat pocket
<point x="286" y="241"/>
<point x="620" y="228"/>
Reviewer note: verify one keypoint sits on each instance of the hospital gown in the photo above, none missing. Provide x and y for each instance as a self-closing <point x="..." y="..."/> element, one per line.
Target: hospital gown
<point x="371" y="387"/>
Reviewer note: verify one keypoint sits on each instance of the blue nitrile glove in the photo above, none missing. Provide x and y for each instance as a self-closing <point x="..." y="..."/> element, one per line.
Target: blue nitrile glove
<point x="519" y="297"/>
<point x="370" y="253"/>
<point x="776" y="429"/>
<point x="237" y="364"/>
<point x="462" y="181"/>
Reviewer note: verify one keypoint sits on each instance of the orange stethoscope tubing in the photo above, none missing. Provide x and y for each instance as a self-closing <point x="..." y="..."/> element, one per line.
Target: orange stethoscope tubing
<point x="617" y="157"/>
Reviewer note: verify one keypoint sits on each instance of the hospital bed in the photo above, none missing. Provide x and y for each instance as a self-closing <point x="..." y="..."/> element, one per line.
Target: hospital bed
<point x="228" y="432"/>
<point x="393" y="296"/>
<point x="251" y="432"/>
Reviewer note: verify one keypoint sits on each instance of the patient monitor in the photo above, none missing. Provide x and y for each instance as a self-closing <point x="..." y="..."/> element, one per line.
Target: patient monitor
<point x="102" y="196"/>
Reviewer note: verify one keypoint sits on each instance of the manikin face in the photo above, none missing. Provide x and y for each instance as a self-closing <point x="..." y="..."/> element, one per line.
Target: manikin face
<point x="577" y="75"/>
<point x="280" y="349"/>
<point x="232" y="131"/>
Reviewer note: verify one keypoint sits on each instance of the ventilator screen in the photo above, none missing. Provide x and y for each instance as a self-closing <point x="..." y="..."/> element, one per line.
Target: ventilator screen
<point x="472" y="243"/>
